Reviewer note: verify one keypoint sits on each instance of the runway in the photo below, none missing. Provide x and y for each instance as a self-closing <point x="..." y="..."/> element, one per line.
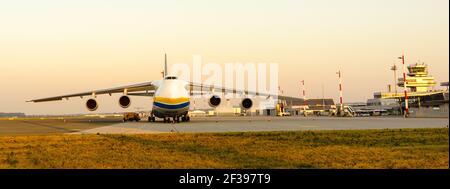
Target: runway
<point x="255" y="124"/>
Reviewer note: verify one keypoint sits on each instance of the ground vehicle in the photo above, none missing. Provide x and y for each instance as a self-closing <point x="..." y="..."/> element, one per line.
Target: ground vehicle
<point x="131" y="116"/>
<point x="281" y="111"/>
<point x="284" y="114"/>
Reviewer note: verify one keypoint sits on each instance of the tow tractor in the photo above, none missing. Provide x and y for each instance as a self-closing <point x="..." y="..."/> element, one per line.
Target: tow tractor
<point x="131" y="116"/>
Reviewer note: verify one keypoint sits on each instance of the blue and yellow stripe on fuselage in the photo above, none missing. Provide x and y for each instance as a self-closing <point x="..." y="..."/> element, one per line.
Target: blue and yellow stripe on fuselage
<point x="165" y="105"/>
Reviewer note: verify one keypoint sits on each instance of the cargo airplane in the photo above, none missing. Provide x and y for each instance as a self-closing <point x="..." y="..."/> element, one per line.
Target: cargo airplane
<point x="171" y="96"/>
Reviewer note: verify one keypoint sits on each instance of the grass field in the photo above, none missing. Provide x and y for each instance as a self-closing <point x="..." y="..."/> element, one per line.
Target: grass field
<point x="402" y="148"/>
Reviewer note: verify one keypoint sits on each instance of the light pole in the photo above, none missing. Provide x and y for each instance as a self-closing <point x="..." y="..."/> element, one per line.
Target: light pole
<point x="394" y="68"/>
<point x="323" y="98"/>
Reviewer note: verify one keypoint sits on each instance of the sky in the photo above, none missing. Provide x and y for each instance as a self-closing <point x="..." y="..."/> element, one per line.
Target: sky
<point x="54" y="47"/>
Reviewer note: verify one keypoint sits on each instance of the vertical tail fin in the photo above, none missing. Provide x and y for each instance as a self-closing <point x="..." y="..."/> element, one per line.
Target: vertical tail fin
<point x="165" y="65"/>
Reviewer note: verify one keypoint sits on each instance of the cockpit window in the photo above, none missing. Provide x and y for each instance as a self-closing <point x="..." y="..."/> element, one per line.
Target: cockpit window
<point x="171" y="77"/>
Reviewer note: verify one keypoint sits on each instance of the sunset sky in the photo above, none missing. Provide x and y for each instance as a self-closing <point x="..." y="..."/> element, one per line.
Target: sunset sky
<point x="54" y="47"/>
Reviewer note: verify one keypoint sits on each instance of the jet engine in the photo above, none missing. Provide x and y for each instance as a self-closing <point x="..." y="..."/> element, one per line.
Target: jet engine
<point x="124" y="101"/>
<point x="246" y="103"/>
<point x="214" y="101"/>
<point x="91" y="104"/>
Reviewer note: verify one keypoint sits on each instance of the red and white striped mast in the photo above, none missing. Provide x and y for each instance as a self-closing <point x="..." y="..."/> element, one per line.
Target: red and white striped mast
<point x="304" y="93"/>
<point x="404" y="86"/>
<point x="340" y="91"/>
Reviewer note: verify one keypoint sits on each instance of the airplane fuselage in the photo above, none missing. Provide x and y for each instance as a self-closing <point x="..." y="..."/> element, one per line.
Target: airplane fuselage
<point x="171" y="99"/>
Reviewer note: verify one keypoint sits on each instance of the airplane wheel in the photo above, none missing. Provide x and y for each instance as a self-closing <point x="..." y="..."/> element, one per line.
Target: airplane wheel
<point x="175" y="120"/>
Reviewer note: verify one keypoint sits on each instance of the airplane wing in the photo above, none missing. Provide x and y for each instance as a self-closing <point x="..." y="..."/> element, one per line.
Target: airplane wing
<point x="199" y="88"/>
<point x="145" y="89"/>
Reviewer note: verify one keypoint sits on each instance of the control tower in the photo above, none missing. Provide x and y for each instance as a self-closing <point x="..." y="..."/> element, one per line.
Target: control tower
<point x="418" y="79"/>
<point x="418" y="83"/>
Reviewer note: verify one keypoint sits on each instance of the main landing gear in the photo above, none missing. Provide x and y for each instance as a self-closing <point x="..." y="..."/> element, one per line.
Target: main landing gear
<point x="151" y="118"/>
<point x="175" y="119"/>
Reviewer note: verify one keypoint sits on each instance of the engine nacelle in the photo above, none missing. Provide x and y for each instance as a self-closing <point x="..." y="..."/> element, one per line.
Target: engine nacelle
<point x="246" y="103"/>
<point x="91" y="104"/>
<point x="124" y="101"/>
<point x="214" y="101"/>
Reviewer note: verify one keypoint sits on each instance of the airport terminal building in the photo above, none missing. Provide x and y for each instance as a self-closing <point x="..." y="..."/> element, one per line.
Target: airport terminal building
<point x="423" y="101"/>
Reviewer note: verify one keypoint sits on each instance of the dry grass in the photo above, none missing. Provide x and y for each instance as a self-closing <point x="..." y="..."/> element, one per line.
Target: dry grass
<point x="399" y="148"/>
